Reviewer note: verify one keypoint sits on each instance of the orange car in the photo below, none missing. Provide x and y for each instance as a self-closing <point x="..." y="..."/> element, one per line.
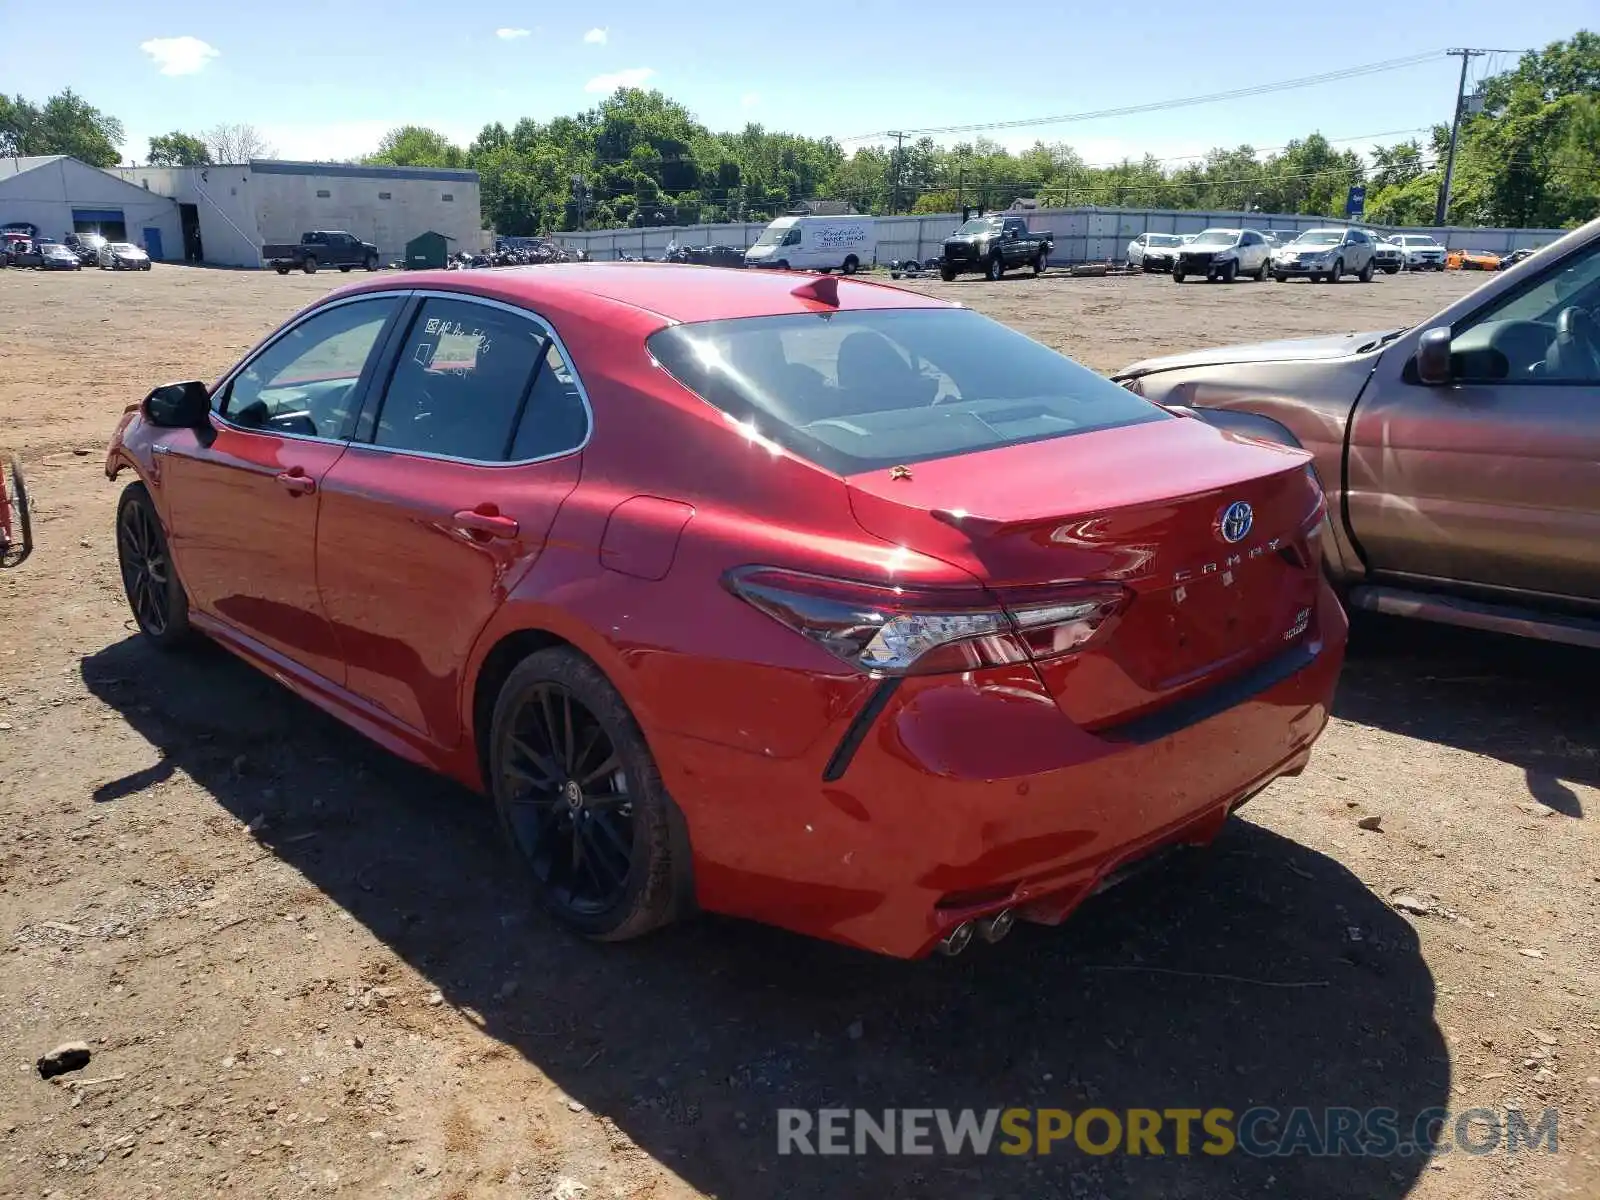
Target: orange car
<point x="1472" y="260"/>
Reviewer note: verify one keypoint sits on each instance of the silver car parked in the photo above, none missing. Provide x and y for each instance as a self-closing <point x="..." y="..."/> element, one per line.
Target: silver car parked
<point x="1326" y="256"/>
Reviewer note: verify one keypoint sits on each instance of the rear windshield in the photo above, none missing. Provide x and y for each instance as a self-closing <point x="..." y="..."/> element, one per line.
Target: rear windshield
<point x="1165" y="239"/>
<point x="860" y="391"/>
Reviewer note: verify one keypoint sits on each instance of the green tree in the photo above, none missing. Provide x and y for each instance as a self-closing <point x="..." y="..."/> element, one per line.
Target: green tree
<point x="416" y="146"/>
<point x="177" y="149"/>
<point x="64" y="124"/>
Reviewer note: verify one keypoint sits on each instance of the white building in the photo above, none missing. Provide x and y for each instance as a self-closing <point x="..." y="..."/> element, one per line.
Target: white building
<point x="227" y="213"/>
<point x="60" y="195"/>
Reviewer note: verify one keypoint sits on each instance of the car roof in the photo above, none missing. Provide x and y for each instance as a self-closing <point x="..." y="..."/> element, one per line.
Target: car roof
<point x="679" y="292"/>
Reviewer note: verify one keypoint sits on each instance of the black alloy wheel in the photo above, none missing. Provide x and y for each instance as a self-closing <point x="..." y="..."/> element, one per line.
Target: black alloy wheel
<point x="160" y="608"/>
<point x="570" y="809"/>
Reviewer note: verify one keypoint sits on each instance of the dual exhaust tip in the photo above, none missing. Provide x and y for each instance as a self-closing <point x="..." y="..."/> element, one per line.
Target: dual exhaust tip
<point x="990" y="929"/>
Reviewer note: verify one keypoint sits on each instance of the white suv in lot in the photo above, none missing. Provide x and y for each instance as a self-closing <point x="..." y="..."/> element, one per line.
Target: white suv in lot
<point x="1325" y="255"/>
<point x="1421" y="251"/>
<point x="1223" y="254"/>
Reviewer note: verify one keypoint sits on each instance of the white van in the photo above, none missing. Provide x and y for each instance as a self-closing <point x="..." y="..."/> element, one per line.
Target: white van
<point x="816" y="244"/>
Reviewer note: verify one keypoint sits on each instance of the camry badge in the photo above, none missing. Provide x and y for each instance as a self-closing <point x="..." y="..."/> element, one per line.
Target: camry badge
<point x="1235" y="522"/>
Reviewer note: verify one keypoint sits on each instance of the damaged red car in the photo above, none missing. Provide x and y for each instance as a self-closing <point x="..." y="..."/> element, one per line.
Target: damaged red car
<point x="800" y="599"/>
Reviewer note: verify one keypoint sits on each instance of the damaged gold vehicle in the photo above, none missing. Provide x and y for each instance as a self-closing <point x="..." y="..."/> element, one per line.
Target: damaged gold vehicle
<point x="1460" y="457"/>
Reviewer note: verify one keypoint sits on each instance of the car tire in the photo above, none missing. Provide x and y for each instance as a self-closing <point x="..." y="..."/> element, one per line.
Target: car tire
<point x="371" y="263"/>
<point x="1280" y="277"/>
<point x="1391" y="270"/>
<point x="1366" y="272"/>
<point x="1040" y="263"/>
<point x="1177" y="277"/>
<point x="149" y="577"/>
<point x="947" y="274"/>
<point x="1337" y="274"/>
<point x="996" y="269"/>
<point x="852" y="265"/>
<point x="559" y="721"/>
<point x="283" y="270"/>
<point x="783" y="264"/>
<point x="310" y="264"/>
<point x="1266" y="269"/>
<point x="346" y="268"/>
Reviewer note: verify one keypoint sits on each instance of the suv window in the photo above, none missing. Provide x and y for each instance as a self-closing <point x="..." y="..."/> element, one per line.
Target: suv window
<point x="305" y="382"/>
<point x="460" y="381"/>
<point x="1358" y="238"/>
<point x="1515" y="339"/>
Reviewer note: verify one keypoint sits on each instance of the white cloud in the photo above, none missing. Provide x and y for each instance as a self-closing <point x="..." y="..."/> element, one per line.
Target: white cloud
<point x="629" y="77"/>
<point x="508" y="34"/>
<point x="179" y="55"/>
<point x="597" y="36"/>
<point x="749" y="100"/>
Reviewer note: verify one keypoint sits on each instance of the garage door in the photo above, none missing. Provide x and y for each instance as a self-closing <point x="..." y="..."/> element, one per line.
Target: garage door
<point x="107" y="221"/>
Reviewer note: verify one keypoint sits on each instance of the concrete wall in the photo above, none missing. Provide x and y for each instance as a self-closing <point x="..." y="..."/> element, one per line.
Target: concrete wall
<point x="387" y="206"/>
<point x="223" y="202"/>
<point x="241" y="208"/>
<point x="47" y="194"/>
<point x="1081" y="234"/>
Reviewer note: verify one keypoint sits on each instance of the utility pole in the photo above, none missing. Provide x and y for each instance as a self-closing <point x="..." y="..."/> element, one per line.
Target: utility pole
<point x="899" y="161"/>
<point x="1443" y="207"/>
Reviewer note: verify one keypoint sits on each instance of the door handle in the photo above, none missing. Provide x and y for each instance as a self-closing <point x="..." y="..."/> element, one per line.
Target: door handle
<point x="296" y="482"/>
<point x="486" y="524"/>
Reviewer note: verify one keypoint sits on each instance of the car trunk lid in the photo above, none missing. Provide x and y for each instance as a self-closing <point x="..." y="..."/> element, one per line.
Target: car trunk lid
<point x="1142" y="507"/>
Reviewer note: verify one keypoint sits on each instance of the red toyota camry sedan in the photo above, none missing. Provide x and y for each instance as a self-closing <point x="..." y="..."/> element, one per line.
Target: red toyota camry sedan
<point x="802" y="599"/>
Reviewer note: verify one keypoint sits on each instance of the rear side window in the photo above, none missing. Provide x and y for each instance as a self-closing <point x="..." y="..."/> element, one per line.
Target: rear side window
<point x="554" y="420"/>
<point x="860" y="391"/>
<point x="460" y="382"/>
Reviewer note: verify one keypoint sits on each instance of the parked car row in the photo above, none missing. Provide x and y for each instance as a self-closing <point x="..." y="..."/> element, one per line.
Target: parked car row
<point x="1390" y="253"/>
<point x="77" y="252"/>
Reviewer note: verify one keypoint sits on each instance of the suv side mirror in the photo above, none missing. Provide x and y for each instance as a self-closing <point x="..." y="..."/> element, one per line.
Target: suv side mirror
<point x="1433" y="357"/>
<point x="179" y="406"/>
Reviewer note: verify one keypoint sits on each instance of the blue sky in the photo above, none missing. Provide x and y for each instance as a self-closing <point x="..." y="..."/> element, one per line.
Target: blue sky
<point x="325" y="80"/>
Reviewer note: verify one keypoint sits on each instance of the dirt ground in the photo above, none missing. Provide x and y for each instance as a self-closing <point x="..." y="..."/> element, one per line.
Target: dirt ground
<point x="305" y="967"/>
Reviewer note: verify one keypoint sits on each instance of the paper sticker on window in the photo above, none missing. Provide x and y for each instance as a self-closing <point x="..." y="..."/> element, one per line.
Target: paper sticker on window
<point x="458" y="350"/>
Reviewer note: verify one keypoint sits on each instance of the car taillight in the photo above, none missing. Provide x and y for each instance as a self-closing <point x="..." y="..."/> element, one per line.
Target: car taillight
<point x="888" y="630"/>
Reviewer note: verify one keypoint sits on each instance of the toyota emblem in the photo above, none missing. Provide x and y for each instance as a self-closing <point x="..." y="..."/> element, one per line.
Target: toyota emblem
<point x="1235" y="522"/>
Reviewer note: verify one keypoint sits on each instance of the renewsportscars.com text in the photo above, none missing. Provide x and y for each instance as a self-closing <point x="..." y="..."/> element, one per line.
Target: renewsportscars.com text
<point x="1257" y="1132"/>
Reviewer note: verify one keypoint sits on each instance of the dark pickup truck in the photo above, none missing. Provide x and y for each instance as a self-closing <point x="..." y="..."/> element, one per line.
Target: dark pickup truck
<point x="324" y="248"/>
<point x="994" y="245"/>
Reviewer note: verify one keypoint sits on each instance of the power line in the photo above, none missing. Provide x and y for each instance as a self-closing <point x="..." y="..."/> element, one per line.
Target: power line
<point x="1392" y="64"/>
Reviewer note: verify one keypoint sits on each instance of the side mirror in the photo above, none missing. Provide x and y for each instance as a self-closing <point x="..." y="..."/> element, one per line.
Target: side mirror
<point x="1433" y="357"/>
<point x="179" y="406"/>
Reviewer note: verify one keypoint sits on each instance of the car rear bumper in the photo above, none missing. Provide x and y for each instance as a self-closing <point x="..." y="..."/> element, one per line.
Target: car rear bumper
<point x="959" y="798"/>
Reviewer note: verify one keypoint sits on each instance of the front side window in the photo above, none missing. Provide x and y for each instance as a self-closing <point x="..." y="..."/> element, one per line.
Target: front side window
<point x="860" y="391"/>
<point x="460" y="381"/>
<point x="305" y="382"/>
<point x="1545" y="332"/>
<point x="792" y="238"/>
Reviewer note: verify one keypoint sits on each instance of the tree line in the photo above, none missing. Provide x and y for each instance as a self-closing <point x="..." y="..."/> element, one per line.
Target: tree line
<point x="1528" y="156"/>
